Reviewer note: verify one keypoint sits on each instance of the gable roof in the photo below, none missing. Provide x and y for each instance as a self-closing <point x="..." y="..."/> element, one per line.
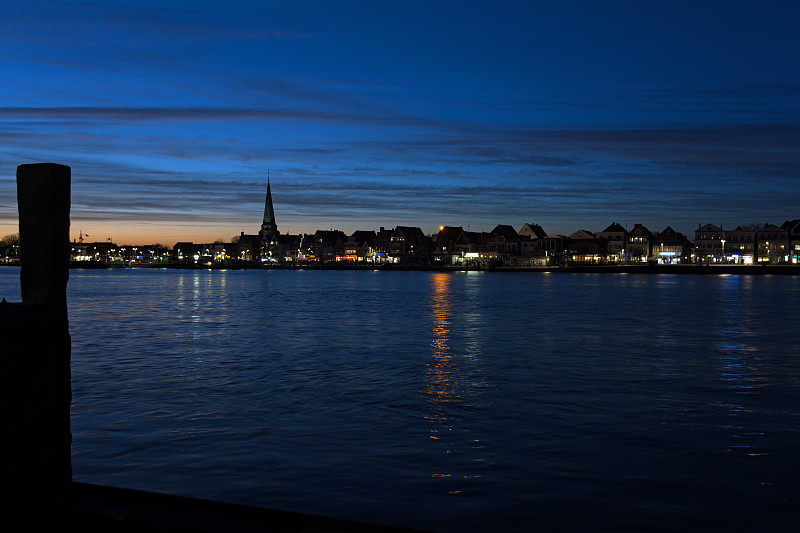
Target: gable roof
<point x="533" y="230"/>
<point x="614" y="228"/>
<point x="581" y="234"/>
<point x="468" y="237"/>
<point x="364" y="236"/>
<point x="329" y="236"/>
<point x="708" y="227"/>
<point x="670" y="236"/>
<point x="639" y="229"/>
<point x="504" y="230"/>
<point x="409" y="232"/>
<point x="449" y="234"/>
<point x="771" y="228"/>
<point x="791" y="225"/>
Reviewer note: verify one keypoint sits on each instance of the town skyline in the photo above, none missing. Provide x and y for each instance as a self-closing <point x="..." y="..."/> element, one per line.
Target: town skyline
<point x="187" y="233"/>
<point x="570" y="114"/>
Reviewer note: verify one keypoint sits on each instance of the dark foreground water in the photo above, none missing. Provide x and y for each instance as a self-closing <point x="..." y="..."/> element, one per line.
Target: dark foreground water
<point x="446" y="401"/>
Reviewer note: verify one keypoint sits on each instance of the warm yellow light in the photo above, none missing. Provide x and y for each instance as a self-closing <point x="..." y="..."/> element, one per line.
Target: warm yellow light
<point x="441" y="228"/>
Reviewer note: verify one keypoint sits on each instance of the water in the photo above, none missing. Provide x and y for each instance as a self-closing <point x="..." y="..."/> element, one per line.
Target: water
<point x="445" y="401"/>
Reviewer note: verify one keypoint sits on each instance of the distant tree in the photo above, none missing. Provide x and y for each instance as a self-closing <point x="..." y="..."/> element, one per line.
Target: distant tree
<point x="753" y="226"/>
<point x="235" y="239"/>
<point x="11" y="238"/>
<point x="220" y="240"/>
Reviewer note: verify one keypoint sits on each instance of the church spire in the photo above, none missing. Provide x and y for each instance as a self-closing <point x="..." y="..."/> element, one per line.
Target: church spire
<point x="269" y="226"/>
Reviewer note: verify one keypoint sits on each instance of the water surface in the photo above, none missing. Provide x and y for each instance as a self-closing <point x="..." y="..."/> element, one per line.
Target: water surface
<point x="445" y="401"/>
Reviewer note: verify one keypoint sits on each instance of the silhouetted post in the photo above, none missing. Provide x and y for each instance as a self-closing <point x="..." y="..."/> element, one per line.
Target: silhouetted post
<point x="35" y="391"/>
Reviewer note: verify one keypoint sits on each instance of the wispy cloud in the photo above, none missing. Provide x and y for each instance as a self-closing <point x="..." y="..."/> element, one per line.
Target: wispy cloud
<point x="91" y="24"/>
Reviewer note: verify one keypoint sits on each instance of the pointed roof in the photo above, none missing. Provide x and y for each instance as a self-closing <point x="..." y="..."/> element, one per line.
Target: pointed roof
<point x="640" y="231"/>
<point x="269" y="213"/>
<point x="582" y="234"/>
<point x="708" y="227"/>
<point x="505" y="230"/>
<point x="614" y="228"/>
<point x="535" y="231"/>
<point x="791" y="225"/>
<point x="408" y="232"/>
<point x="448" y="234"/>
<point x="771" y="227"/>
<point x="671" y="237"/>
<point x="364" y="236"/>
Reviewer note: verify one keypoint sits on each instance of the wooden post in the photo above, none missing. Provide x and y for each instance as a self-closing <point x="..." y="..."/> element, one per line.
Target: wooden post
<point x="35" y="388"/>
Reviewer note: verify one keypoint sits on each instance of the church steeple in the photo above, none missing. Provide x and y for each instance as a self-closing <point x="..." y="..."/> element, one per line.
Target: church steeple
<point x="268" y="226"/>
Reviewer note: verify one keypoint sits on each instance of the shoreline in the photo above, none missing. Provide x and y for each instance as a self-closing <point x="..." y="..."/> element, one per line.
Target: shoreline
<point x="724" y="269"/>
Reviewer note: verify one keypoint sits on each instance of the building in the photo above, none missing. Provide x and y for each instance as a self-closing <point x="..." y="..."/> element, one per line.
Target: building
<point x="670" y="247"/>
<point x="360" y="246"/>
<point x="616" y="237"/>
<point x="325" y="245"/>
<point x="639" y="244"/>
<point x="708" y="243"/>
<point x="793" y="227"/>
<point x="583" y="247"/>
<point x="383" y="244"/>
<point x="773" y="245"/>
<point x="444" y="245"/>
<point x="269" y="246"/>
<point x="739" y="245"/>
<point x="101" y="252"/>
<point x="409" y="245"/>
<point x="469" y="246"/>
<point x="503" y="243"/>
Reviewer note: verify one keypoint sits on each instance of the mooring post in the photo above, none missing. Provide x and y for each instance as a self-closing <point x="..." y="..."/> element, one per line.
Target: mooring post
<point x="35" y="388"/>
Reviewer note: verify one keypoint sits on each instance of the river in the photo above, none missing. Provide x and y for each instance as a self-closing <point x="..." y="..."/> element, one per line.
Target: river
<point x="445" y="401"/>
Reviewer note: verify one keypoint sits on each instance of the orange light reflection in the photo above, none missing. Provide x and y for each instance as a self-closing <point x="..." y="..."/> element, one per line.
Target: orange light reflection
<point x="441" y="382"/>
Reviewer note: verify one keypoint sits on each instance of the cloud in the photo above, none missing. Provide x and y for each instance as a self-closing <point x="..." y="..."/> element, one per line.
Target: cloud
<point x="158" y="114"/>
<point x="71" y="23"/>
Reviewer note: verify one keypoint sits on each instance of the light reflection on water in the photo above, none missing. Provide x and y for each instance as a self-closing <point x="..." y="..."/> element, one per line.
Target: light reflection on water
<point x="455" y="402"/>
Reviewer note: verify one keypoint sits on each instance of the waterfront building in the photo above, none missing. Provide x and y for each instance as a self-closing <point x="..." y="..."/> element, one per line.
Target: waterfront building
<point x="773" y="245"/>
<point x="529" y="246"/>
<point x="671" y="247"/>
<point x="325" y="245"/>
<point x="468" y="247"/>
<point x="409" y="245"/>
<point x="100" y="252"/>
<point x="444" y="245"/>
<point x="247" y="247"/>
<point x="708" y="243"/>
<point x="547" y="250"/>
<point x="583" y="247"/>
<point x="639" y="244"/>
<point x="287" y="247"/>
<point x="9" y="254"/>
<point x="739" y="245"/>
<point x="503" y="243"/>
<point x="383" y="244"/>
<point x="360" y="246"/>
<point x="616" y="237"/>
<point x="793" y="228"/>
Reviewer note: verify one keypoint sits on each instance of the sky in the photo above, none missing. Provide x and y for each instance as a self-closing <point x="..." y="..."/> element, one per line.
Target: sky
<point x="571" y="114"/>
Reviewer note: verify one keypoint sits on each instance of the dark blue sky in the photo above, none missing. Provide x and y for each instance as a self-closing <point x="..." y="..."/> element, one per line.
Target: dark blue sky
<point x="568" y="114"/>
